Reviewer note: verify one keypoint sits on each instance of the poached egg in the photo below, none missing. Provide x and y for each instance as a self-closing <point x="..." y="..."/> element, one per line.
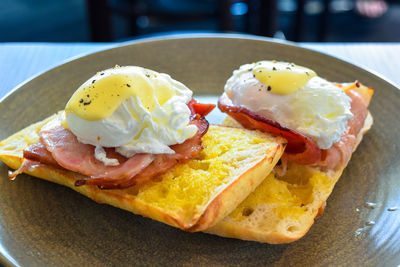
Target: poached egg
<point x="133" y="109"/>
<point x="294" y="96"/>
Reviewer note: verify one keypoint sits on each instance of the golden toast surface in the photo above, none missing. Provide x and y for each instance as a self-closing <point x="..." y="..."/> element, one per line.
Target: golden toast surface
<point x="191" y="196"/>
<point x="282" y="208"/>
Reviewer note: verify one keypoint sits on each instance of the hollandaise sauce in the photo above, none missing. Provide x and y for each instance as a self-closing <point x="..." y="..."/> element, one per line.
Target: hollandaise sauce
<point x="282" y="78"/>
<point x="100" y="96"/>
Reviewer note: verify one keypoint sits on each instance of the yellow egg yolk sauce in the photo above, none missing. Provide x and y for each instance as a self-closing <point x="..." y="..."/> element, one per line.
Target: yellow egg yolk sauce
<point x="98" y="98"/>
<point x="282" y="78"/>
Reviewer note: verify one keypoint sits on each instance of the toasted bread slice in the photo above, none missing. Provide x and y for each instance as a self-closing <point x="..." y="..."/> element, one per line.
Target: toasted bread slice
<point x="191" y="196"/>
<point x="282" y="209"/>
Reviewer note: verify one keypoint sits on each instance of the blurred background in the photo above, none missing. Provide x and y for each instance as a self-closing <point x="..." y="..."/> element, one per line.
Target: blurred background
<point x="120" y="20"/>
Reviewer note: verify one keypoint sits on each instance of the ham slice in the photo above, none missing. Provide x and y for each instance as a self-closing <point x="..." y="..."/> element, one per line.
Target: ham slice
<point x="161" y="163"/>
<point x="60" y="147"/>
<point x="72" y="155"/>
<point x="302" y="149"/>
<point x="340" y="153"/>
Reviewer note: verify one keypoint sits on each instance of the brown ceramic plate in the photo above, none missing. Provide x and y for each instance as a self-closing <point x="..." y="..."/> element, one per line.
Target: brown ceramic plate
<point x="46" y="224"/>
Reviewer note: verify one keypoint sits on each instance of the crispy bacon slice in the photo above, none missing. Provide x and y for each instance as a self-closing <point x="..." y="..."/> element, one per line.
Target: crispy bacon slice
<point x="199" y="109"/>
<point x="297" y="143"/>
<point x="60" y="147"/>
<point x="302" y="149"/>
<point x="38" y="152"/>
<point x="25" y="166"/>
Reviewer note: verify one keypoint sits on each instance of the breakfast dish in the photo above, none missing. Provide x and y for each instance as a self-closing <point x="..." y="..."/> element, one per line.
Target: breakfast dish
<point x="145" y="120"/>
<point x="140" y="133"/>
<point x="323" y="123"/>
<point x="319" y="119"/>
<point x="46" y="224"/>
<point x="135" y="139"/>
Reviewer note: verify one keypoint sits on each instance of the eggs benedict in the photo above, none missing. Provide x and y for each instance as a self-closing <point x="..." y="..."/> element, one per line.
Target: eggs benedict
<point x="318" y="118"/>
<point x="122" y="127"/>
<point x="140" y="133"/>
<point x="133" y="109"/>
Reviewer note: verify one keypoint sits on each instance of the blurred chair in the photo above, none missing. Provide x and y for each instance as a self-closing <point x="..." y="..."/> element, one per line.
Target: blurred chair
<point x="322" y="21"/>
<point x="260" y="18"/>
<point x="100" y="14"/>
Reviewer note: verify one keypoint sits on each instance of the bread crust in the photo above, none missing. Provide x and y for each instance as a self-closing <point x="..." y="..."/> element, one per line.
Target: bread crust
<point x="219" y="205"/>
<point x="237" y="191"/>
<point x="229" y="227"/>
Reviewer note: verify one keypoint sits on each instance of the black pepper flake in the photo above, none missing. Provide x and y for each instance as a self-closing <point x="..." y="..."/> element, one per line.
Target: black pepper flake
<point x="87" y="103"/>
<point x="81" y="100"/>
<point x="87" y="95"/>
<point x="254" y="75"/>
<point x="102" y="73"/>
<point x="273" y="68"/>
<point x="93" y="81"/>
<point x="269" y="88"/>
<point x="288" y="68"/>
<point x="128" y="85"/>
<point x="358" y="84"/>
<point x="260" y="71"/>
<point x="147" y="75"/>
<point x="250" y="69"/>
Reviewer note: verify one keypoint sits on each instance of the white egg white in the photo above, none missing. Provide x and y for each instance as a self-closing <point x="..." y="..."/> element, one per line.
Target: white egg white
<point x="319" y="110"/>
<point x="134" y="129"/>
